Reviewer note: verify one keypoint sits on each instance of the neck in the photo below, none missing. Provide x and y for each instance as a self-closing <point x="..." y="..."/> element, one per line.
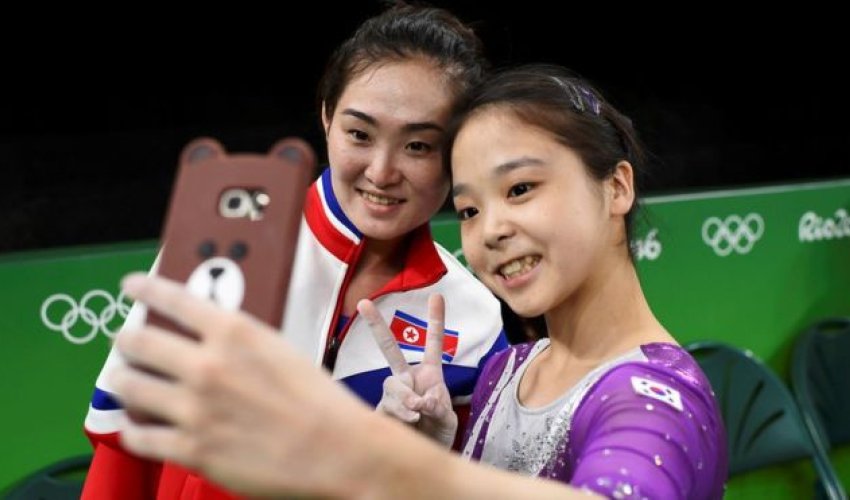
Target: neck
<point x="379" y="262"/>
<point x="382" y="255"/>
<point x="607" y="316"/>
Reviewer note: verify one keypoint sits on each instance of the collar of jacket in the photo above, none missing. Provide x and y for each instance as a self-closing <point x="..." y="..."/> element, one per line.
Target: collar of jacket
<point x="336" y="232"/>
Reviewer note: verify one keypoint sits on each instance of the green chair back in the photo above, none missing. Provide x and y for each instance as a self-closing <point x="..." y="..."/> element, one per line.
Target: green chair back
<point x="821" y="381"/>
<point x="763" y="424"/>
<point x="62" y="480"/>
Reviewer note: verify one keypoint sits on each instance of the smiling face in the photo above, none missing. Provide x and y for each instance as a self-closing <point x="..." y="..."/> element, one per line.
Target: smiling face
<point x="384" y="146"/>
<point x="534" y="224"/>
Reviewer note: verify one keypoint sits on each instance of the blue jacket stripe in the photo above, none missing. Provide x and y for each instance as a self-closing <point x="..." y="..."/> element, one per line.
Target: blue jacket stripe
<point x="369" y="385"/>
<point x="102" y="400"/>
<point x="330" y="198"/>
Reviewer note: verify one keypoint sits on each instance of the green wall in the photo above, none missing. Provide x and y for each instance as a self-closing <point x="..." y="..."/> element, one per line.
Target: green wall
<point x="749" y="267"/>
<point x="49" y="371"/>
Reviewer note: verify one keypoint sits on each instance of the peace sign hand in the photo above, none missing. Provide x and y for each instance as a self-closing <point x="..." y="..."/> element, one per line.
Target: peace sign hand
<point x="416" y="394"/>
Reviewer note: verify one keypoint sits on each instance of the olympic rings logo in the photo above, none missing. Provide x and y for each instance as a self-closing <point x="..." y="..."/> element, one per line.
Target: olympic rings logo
<point x="733" y="233"/>
<point x="63" y="307"/>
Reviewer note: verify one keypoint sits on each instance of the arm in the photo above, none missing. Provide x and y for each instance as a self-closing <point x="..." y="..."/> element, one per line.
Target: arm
<point x="417" y="468"/>
<point x="648" y="430"/>
<point x="314" y="438"/>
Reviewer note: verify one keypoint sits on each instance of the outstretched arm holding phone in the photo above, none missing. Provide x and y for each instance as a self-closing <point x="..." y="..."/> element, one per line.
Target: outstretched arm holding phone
<point x="313" y="438"/>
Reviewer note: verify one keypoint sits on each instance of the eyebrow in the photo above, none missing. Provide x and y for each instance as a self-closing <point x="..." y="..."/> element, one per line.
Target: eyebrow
<point x="408" y="127"/>
<point x="502" y="170"/>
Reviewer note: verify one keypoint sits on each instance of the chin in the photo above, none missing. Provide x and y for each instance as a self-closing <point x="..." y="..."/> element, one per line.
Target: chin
<point x="382" y="231"/>
<point x="526" y="308"/>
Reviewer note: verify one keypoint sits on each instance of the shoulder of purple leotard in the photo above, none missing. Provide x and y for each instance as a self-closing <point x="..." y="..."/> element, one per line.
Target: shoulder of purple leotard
<point x="671" y="366"/>
<point x="497" y="364"/>
<point x="673" y="357"/>
<point x="493" y="369"/>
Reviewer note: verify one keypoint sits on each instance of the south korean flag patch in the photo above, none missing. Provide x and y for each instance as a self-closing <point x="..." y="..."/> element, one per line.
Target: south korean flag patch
<point x="658" y="391"/>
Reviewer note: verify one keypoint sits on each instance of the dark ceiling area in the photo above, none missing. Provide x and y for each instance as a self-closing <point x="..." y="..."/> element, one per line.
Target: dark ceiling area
<point x="94" y="115"/>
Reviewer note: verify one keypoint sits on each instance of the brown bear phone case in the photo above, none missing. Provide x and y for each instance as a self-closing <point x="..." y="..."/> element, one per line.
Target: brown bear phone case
<point x="232" y="226"/>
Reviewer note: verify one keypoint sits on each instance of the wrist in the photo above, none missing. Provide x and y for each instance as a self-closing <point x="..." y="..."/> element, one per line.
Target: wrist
<point x="395" y="467"/>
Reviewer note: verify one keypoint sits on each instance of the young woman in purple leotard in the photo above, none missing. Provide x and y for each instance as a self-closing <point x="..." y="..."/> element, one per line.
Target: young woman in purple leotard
<point x="543" y="184"/>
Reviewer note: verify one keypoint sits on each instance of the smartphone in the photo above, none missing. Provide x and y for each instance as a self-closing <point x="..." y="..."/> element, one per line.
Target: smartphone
<point x="232" y="226"/>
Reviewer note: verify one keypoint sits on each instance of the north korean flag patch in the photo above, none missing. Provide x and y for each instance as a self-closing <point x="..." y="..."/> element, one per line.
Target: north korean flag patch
<point x="657" y="391"/>
<point x="410" y="333"/>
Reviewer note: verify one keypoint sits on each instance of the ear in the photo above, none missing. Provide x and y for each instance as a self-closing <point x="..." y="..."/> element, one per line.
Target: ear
<point x="203" y="148"/>
<point x="326" y="122"/>
<point x="621" y="186"/>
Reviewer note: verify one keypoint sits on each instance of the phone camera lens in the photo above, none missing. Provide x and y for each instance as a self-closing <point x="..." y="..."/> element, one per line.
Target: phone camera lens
<point x="235" y="204"/>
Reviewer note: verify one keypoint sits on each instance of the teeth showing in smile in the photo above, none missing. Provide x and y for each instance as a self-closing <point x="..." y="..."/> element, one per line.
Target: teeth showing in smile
<point x="519" y="266"/>
<point x="380" y="200"/>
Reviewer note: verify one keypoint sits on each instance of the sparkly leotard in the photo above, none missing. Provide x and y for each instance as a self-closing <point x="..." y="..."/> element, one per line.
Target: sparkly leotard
<point x="643" y="425"/>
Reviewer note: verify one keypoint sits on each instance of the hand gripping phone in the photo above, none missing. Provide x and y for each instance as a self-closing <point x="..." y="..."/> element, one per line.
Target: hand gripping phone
<point x="232" y="226"/>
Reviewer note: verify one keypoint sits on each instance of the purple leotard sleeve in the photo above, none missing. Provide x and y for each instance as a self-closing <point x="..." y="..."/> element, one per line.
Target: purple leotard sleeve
<point x="649" y="430"/>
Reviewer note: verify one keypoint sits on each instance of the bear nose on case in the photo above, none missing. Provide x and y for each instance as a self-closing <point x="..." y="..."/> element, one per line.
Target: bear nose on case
<point x="215" y="272"/>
